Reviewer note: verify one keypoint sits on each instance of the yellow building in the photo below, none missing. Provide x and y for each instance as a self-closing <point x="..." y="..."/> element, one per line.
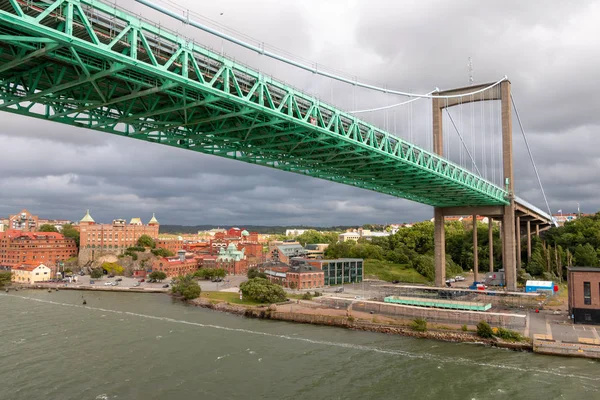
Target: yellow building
<point x="344" y="237"/>
<point x="31" y="273"/>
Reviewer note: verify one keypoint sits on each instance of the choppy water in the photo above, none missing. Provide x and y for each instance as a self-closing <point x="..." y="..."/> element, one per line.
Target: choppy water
<point x="145" y="346"/>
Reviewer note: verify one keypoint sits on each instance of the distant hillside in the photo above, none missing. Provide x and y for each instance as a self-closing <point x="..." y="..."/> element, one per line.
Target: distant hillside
<point x="279" y="230"/>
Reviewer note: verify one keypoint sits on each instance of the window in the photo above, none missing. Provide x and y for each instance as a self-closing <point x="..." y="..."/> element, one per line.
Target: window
<point x="587" y="293"/>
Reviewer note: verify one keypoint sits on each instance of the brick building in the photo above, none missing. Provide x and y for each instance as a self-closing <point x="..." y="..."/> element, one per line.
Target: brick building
<point x="18" y="247"/>
<point x="286" y="251"/>
<point x="183" y="264"/>
<point x="172" y="244"/>
<point x="232" y="260"/>
<point x="100" y="239"/>
<point x="584" y="295"/>
<point x="303" y="276"/>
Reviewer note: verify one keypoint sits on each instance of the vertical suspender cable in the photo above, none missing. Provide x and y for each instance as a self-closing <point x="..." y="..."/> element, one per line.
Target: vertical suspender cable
<point x="530" y="155"/>
<point x="463" y="142"/>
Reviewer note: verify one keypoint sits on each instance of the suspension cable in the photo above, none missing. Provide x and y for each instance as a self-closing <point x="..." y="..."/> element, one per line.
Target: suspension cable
<point x="530" y="155"/>
<point x="462" y="141"/>
<point x="391" y="105"/>
<point x="305" y="67"/>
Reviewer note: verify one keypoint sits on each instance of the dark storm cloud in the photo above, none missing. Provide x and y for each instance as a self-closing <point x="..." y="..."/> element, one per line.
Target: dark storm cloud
<point x="548" y="50"/>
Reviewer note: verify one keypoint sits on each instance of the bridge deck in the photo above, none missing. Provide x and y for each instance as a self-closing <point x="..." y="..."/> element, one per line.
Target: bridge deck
<point x="90" y="64"/>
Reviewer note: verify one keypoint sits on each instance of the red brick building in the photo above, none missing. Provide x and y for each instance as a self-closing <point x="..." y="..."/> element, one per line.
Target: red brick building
<point x="100" y="239"/>
<point x="173" y="245"/>
<point x="584" y="295"/>
<point x="174" y="266"/>
<point x="18" y="247"/>
<point x="297" y="277"/>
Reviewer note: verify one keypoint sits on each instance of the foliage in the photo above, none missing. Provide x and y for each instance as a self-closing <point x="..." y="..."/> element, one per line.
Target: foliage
<point x="464" y="328"/>
<point x="5" y="278"/>
<point x="209" y="273"/>
<point x="187" y="287"/>
<point x="146" y="241"/>
<point x="313" y="237"/>
<point x="306" y="296"/>
<point x="509" y="335"/>
<point x="419" y="325"/>
<point x="136" y="248"/>
<point x="160" y="252"/>
<point x="262" y="291"/>
<point x="389" y="271"/>
<point x="255" y="273"/>
<point x="131" y="254"/>
<point x="484" y="330"/>
<point x="47" y="228"/>
<point x="69" y="231"/>
<point x="293" y="285"/>
<point x="112" y="268"/>
<point x="586" y="256"/>
<point x="158" y="275"/>
<point x="96" y="273"/>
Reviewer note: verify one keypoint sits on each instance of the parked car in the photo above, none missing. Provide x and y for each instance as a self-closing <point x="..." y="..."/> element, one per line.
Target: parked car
<point x="111" y="276"/>
<point x="81" y="273"/>
<point x="152" y="281"/>
<point x="217" y="279"/>
<point x="339" y="290"/>
<point x="459" y="278"/>
<point x="92" y="282"/>
<point x="108" y="283"/>
<point x="395" y="281"/>
<point x="119" y="279"/>
<point x="166" y="285"/>
<point x="136" y="284"/>
<point x="142" y="280"/>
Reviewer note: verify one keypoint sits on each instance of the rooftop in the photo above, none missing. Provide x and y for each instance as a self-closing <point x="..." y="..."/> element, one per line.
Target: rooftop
<point x="584" y="269"/>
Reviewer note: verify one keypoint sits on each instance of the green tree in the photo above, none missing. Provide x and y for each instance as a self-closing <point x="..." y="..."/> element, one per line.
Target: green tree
<point x="112" y="268"/>
<point x="255" y="273"/>
<point x="160" y="252"/>
<point x="5" y="277"/>
<point x="484" y="330"/>
<point x="586" y="256"/>
<point x="263" y="291"/>
<point x="146" y="241"/>
<point x="69" y="231"/>
<point x="96" y="273"/>
<point x="187" y="287"/>
<point x="47" y="228"/>
<point x="158" y="275"/>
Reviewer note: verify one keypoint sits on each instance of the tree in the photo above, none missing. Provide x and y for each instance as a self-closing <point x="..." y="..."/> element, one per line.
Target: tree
<point x="112" y="268"/>
<point x="263" y="291"/>
<point x="255" y="273"/>
<point x="5" y="277"/>
<point x="47" y="228"/>
<point x="158" y="275"/>
<point x="586" y="256"/>
<point x="97" y="273"/>
<point x="187" y="287"/>
<point x="160" y="252"/>
<point x="146" y="241"/>
<point x="69" y="231"/>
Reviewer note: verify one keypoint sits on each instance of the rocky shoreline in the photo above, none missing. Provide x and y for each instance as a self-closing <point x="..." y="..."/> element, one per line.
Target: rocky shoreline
<point x="264" y="312"/>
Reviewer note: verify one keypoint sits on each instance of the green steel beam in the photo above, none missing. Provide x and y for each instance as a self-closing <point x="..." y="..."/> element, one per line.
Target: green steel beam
<point x="69" y="57"/>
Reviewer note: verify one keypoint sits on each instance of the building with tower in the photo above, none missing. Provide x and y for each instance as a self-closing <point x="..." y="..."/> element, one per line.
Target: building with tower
<point x="97" y="240"/>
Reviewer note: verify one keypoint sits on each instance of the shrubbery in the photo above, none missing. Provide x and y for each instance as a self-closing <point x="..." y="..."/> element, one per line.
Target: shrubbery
<point x="419" y="325"/>
<point x="160" y="252"/>
<point x="263" y="291"/>
<point x="484" y="330"/>
<point x="187" y="287"/>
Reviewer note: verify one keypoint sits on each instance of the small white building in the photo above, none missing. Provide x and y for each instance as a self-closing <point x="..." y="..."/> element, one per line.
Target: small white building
<point x="344" y="237"/>
<point x="31" y="273"/>
<point x="294" y="232"/>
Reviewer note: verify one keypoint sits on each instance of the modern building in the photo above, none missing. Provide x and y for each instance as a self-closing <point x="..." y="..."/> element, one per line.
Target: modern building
<point x="18" y="247"/>
<point x="23" y="221"/>
<point x="346" y="236"/>
<point x="316" y="250"/>
<point x="338" y="271"/>
<point x="584" y="295"/>
<point x="285" y="252"/>
<point x="183" y="264"/>
<point x="100" y="239"/>
<point x="31" y="273"/>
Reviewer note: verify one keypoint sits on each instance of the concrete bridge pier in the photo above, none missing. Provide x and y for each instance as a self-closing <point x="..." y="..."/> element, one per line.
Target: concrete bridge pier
<point x="491" y="242"/>
<point x="475" y="250"/>
<point x="439" y="241"/>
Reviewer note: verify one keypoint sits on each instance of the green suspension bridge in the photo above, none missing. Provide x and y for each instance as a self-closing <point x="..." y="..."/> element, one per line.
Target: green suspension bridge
<point x="92" y="65"/>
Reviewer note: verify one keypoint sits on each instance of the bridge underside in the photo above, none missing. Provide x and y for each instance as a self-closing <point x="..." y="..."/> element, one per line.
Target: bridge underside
<point x="91" y="65"/>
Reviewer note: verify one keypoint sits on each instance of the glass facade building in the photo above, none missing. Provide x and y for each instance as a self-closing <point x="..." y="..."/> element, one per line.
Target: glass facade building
<point x="338" y="271"/>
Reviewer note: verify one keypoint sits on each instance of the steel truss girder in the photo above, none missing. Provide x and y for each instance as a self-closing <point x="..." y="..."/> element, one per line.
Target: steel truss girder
<point x="288" y="123"/>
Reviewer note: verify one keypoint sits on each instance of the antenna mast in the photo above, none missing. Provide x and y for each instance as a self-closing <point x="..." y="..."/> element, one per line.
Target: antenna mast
<point x="470" y="66"/>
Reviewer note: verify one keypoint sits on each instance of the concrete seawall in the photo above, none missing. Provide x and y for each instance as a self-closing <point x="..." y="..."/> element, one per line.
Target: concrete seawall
<point x="99" y="288"/>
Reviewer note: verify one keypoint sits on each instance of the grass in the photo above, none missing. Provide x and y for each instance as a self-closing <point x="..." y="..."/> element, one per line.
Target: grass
<point x="230" y="297"/>
<point x="389" y="271"/>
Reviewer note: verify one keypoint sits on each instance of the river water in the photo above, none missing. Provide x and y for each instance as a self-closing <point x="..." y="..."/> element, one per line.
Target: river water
<point x="148" y="346"/>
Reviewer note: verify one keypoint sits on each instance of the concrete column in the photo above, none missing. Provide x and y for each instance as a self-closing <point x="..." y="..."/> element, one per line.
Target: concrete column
<point x="501" y="226"/>
<point x="509" y="246"/>
<point x="491" y="242"/>
<point x="537" y="230"/>
<point x="518" y="241"/>
<point x="475" y="250"/>
<point x="507" y="143"/>
<point x="528" y="242"/>
<point x="439" y="239"/>
<point x="438" y="134"/>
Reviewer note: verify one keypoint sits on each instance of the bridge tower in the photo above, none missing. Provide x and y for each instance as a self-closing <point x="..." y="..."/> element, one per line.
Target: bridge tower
<point x="505" y="214"/>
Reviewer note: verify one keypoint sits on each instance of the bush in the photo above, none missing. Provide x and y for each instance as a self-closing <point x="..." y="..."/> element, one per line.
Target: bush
<point x="146" y="241"/>
<point x="160" y="252"/>
<point x="135" y="248"/>
<point x="158" y="275"/>
<point x="262" y="291"/>
<point x="306" y="296"/>
<point x="464" y="328"/>
<point x="484" y="330"/>
<point x="255" y="273"/>
<point x="419" y="325"/>
<point x="317" y="294"/>
<point x="97" y="273"/>
<point x="507" y="334"/>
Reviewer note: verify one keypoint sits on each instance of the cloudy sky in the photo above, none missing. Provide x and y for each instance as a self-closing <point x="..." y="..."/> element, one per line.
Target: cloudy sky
<point x="548" y="49"/>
